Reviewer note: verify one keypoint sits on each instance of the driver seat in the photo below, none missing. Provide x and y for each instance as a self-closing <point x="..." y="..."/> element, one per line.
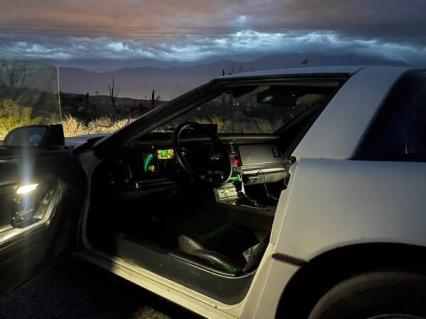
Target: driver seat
<point x="193" y="248"/>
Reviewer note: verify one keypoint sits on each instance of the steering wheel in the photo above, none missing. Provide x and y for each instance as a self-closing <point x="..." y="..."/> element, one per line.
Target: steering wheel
<point x="201" y="154"/>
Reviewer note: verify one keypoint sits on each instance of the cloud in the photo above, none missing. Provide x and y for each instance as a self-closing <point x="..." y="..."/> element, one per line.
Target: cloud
<point x="130" y="18"/>
<point x="197" y="48"/>
<point x="188" y="30"/>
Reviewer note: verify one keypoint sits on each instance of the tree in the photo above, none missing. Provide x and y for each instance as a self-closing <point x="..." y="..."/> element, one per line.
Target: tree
<point x="113" y="93"/>
<point x="14" y="72"/>
<point x="153" y="98"/>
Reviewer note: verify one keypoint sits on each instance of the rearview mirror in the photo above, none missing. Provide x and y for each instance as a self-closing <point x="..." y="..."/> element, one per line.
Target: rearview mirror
<point x="36" y="135"/>
<point x="277" y="99"/>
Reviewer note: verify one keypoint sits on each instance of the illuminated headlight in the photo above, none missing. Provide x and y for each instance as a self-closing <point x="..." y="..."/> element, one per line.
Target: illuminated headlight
<point x="26" y="189"/>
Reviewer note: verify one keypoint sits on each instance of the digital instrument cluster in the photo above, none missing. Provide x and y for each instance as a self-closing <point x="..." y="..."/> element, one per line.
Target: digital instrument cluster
<point x="158" y="162"/>
<point x="155" y="161"/>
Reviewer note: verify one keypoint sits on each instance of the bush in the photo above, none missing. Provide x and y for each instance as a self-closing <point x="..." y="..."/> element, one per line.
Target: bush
<point x="13" y="115"/>
<point x="243" y="125"/>
<point x="73" y="127"/>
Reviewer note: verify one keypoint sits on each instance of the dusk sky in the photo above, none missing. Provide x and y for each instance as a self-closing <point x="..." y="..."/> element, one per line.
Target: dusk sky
<point x="198" y="30"/>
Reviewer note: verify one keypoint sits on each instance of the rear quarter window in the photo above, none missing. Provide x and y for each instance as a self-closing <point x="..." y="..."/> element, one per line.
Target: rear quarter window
<point x="398" y="133"/>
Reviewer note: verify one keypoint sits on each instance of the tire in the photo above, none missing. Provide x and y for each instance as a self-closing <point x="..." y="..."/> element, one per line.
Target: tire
<point x="375" y="295"/>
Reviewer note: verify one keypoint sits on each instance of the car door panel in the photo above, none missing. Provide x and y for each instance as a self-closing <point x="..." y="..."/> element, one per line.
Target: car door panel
<point x="36" y="228"/>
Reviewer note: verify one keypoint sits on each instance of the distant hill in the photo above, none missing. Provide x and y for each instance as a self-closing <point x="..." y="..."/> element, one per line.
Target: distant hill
<point x="171" y="82"/>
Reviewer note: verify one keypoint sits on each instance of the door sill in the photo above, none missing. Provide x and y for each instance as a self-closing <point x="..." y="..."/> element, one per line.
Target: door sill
<point x="159" y="285"/>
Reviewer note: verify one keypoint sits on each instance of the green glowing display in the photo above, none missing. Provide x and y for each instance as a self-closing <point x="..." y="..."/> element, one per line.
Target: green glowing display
<point x="235" y="177"/>
<point x="165" y="154"/>
<point x="147" y="163"/>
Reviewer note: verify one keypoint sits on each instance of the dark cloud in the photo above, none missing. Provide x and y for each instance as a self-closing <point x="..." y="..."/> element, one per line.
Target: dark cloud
<point x="132" y="17"/>
<point x="188" y="30"/>
<point x="388" y="18"/>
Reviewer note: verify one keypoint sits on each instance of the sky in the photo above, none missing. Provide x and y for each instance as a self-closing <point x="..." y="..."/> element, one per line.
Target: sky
<point x="192" y="31"/>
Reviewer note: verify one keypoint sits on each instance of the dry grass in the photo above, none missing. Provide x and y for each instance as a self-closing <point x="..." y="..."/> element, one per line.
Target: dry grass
<point x="13" y="115"/>
<point x="73" y="127"/>
<point x="247" y="125"/>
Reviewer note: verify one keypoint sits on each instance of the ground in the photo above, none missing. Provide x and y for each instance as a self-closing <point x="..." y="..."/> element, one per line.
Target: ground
<point x="76" y="289"/>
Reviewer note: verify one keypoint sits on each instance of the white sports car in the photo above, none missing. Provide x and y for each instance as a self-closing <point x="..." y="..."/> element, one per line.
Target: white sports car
<point x="296" y="193"/>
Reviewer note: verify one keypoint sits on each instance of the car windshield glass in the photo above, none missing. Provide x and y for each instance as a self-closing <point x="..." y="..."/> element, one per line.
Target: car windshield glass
<point x="255" y="109"/>
<point x="28" y="93"/>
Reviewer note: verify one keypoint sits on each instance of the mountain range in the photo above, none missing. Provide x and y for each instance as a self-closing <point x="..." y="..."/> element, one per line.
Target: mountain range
<point x="169" y="82"/>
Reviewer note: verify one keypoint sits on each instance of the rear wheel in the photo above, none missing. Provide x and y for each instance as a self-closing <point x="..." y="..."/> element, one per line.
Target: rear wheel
<point x="376" y="295"/>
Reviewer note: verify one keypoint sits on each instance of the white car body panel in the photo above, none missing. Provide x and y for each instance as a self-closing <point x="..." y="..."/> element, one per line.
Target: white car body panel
<point x="338" y="130"/>
<point x="335" y="203"/>
<point x="264" y="300"/>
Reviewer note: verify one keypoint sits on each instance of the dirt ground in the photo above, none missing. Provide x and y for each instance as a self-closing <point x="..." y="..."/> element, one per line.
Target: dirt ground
<point x="76" y="289"/>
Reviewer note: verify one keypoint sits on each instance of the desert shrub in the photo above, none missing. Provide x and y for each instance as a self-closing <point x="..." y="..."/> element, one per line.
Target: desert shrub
<point x="244" y="125"/>
<point x="74" y="127"/>
<point x="13" y="115"/>
<point x="107" y="124"/>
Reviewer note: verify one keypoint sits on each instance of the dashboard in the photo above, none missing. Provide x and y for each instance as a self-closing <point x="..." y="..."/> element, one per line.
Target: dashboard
<point x="148" y="164"/>
<point x="158" y="161"/>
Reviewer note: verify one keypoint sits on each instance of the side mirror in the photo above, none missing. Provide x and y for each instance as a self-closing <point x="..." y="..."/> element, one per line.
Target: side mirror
<point x="36" y="135"/>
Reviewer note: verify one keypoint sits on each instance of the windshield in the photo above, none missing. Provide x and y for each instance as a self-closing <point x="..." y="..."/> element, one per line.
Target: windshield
<point x="28" y="93"/>
<point x="255" y="109"/>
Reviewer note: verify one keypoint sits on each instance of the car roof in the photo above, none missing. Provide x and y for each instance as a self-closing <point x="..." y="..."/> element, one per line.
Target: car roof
<point x="344" y="69"/>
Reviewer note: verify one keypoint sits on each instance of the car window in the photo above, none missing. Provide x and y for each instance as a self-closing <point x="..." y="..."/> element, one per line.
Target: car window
<point x="255" y="109"/>
<point x="399" y="131"/>
<point x="28" y="93"/>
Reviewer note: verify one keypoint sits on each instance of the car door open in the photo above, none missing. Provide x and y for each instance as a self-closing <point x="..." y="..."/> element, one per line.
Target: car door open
<point x="42" y="185"/>
<point x="41" y="193"/>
